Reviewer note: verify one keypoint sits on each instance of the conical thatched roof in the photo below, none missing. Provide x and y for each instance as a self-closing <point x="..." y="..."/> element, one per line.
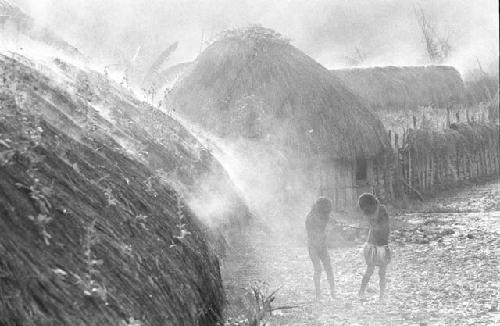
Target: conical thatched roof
<point x="253" y="83"/>
<point x="404" y="88"/>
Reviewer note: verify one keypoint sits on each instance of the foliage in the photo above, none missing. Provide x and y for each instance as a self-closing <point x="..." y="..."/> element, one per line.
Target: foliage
<point x="438" y="48"/>
<point x="42" y="220"/>
<point x="256" y="307"/>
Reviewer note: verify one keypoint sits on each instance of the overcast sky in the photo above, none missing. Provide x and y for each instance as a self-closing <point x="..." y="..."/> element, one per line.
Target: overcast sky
<point x="386" y="31"/>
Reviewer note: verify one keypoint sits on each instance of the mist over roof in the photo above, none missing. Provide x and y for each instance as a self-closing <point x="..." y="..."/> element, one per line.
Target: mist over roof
<point x="329" y="31"/>
<point x="251" y="82"/>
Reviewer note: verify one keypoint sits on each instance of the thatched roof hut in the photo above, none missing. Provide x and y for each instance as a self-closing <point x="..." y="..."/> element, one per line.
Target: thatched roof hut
<point x="404" y="88"/>
<point x="89" y="232"/>
<point x="251" y="82"/>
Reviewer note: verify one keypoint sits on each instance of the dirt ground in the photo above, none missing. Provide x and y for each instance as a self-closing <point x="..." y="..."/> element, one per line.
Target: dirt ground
<point x="445" y="270"/>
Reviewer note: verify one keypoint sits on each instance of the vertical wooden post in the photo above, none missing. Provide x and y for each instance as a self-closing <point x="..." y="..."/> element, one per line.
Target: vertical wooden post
<point x="490" y="161"/>
<point x="445" y="168"/>
<point x="481" y="161"/>
<point x="424" y="172"/>
<point x="438" y="168"/>
<point x="478" y="163"/>
<point x="414" y="122"/>
<point x="344" y="186"/>
<point x="417" y="169"/>
<point x="448" y="117"/>
<point x="337" y="186"/>
<point x="353" y="182"/>
<point x="429" y="175"/>
<point x="391" y="170"/>
<point x="465" y="162"/>
<point x="429" y="179"/>
<point x="469" y="166"/>
<point x="486" y="161"/>
<point x="433" y="170"/>
<point x="409" y="167"/>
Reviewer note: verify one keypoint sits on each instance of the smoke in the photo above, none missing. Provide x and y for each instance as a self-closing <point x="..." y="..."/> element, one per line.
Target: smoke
<point x="385" y="32"/>
<point x="277" y="195"/>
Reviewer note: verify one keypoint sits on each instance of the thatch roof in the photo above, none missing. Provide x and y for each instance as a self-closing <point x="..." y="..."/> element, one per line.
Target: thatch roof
<point x="89" y="234"/>
<point x="404" y="88"/>
<point x="467" y="137"/>
<point x="251" y="82"/>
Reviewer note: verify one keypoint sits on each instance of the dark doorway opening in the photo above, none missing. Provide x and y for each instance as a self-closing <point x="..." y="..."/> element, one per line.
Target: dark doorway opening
<point x="360" y="169"/>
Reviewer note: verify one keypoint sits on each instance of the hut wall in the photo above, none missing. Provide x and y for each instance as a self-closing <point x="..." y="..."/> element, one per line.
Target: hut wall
<point x="381" y="176"/>
<point x="338" y="183"/>
<point x="420" y="162"/>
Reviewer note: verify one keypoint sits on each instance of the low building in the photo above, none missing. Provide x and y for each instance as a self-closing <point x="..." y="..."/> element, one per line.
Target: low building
<point x="319" y="137"/>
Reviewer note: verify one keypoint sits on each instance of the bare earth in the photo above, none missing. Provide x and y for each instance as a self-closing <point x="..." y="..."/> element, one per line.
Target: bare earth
<point x="445" y="270"/>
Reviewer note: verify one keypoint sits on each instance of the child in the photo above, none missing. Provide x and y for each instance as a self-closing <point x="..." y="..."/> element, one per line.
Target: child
<point x="316" y="222"/>
<point x="376" y="250"/>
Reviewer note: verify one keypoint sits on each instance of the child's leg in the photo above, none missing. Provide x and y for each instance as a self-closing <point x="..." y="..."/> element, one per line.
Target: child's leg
<point x="325" y="259"/>
<point x="381" y="274"/>
<point x="366" y="278"/>
<point x="313" y="254"/>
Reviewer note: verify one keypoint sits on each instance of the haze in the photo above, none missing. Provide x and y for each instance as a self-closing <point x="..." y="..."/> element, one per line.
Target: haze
<point x="329" y="31"/>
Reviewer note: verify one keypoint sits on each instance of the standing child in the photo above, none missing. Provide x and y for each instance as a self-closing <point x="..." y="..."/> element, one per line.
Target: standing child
<point x="376" y="250"/>
<point x="316" y="222"/>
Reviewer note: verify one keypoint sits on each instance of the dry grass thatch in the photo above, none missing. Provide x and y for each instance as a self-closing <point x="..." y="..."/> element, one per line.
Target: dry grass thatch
<point x="251" y="82"/>
<point x="89" y="235"/>
<point x="468" y="138"/>
<point x="405" y="88"/>
<point x="482" y="89"/>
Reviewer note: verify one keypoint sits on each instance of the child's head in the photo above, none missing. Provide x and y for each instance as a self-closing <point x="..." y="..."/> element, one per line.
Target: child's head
<point x="368" y="204"/>
<point x="323" y="207"/>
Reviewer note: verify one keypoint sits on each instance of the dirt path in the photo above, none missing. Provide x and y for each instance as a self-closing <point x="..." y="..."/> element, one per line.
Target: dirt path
<point x="445" y="270"/>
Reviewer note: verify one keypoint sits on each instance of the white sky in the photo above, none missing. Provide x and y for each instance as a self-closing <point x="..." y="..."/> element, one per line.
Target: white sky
<point x="328" y="30"/>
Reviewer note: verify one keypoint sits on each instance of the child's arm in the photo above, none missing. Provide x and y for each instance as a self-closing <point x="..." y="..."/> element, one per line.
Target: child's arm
<point x="384" y="218"/>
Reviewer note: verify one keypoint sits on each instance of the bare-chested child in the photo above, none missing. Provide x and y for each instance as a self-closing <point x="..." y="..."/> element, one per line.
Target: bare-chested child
<point x="316" y="222"/>
<point x="376" y="250"/>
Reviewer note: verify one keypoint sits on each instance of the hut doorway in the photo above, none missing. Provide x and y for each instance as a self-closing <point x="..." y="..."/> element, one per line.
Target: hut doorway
<point x="360" y="170"/>
<point x="362" y="177"/>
